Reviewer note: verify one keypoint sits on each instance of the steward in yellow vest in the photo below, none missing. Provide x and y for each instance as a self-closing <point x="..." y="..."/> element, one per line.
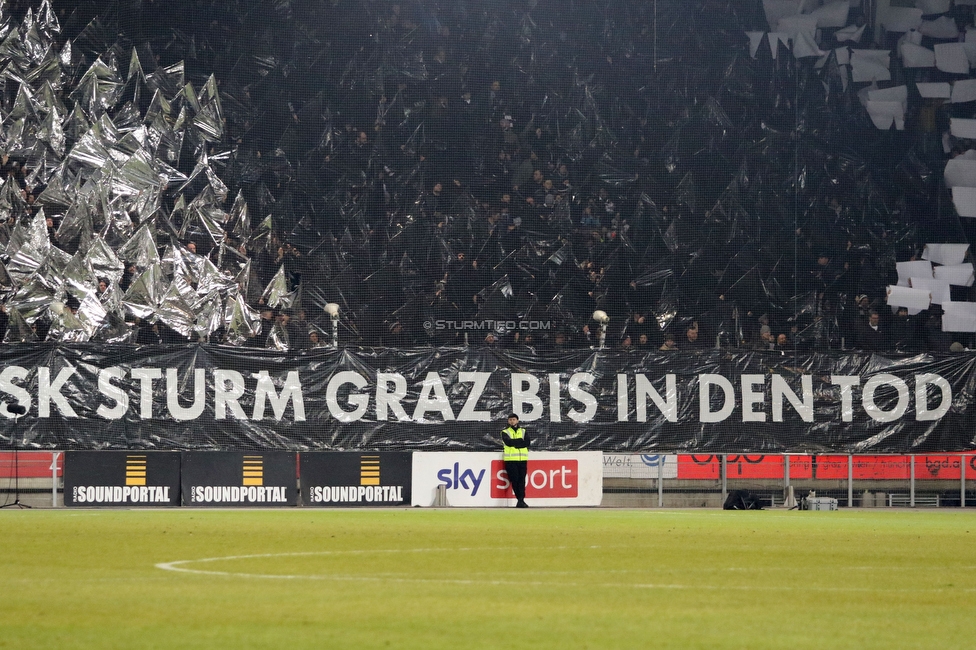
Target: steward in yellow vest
<point x="515" y="450"/>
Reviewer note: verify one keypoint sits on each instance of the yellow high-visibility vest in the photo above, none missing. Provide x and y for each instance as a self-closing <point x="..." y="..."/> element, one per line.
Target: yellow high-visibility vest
<point x="515" y="453"/>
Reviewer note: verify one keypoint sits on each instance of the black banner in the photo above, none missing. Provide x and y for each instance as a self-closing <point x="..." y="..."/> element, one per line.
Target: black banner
<point x="356" y="479"/>
<point x="240" y="479"/>
<point x="119" y="478"/>
<point x="207" y="397"/>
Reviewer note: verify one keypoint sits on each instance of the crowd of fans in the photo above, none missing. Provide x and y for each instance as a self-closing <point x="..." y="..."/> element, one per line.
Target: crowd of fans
<point x="445" y="167"/>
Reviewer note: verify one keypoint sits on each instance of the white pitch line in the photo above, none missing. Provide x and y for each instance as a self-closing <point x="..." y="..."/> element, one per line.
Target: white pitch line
<point x="178" y="567"/>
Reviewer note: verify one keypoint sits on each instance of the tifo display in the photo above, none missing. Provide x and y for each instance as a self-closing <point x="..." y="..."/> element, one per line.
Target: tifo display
<point x="548" y="175"/>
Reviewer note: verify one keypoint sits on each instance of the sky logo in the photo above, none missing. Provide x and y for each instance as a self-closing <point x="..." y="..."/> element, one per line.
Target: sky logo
<point x="456" y="479"/>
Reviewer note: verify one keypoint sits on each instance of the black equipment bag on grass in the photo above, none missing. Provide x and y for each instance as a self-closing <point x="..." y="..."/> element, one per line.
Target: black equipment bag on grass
<point x="741" y="500"/>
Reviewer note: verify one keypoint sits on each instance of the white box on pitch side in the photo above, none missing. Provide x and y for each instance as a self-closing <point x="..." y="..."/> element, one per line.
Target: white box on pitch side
<point x="821" y="503"/>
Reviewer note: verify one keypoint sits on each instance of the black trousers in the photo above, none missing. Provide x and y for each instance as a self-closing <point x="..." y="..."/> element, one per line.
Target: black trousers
<point x="517" y="469"/>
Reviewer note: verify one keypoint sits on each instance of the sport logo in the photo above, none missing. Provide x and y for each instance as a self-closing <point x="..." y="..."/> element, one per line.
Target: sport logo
<point x="545" y="479"/>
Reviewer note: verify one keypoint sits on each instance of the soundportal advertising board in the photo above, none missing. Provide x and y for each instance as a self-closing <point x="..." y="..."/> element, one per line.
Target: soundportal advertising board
<point x="478" y="479"/>
<point x="239" y="479"/>
<point x="122" y="478"/>
<point x="343" y="479"/>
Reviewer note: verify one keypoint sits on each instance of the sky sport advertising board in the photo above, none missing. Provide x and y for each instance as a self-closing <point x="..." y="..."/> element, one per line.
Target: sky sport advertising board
<point x="478" y="479"/>
<point x="121" y="478"/>
<point x="232" y="479"/>
<point x="343" y="479"/>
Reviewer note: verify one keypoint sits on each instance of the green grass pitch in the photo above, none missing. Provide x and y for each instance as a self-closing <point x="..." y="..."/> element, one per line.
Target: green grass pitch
<point x="411" y="578"/>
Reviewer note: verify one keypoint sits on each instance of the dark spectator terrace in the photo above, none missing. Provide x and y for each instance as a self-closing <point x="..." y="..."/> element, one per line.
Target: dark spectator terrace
<point x="222" y="170"/>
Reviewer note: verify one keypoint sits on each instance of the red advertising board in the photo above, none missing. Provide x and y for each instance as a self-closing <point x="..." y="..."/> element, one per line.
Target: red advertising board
<point x="828" y="467"/>
<point x="892" y="468"/>
<point x="28" y="464"/>
<point x="741" y="466"/>
<point x="944" y="467"/>
<point x="755" y="466"/>
<point x="831" y="467"/>
<point x="545" y="479"/>
<point x="882" y="468"/>
<point x="699" y="466"/>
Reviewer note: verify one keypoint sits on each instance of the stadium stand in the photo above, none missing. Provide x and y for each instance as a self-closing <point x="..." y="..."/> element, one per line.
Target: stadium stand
<point x="732" y="174"/>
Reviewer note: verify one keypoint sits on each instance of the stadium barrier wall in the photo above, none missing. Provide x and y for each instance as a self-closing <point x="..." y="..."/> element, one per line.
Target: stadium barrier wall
<point x="628" y="480"/>
<point x="682" y="480"/>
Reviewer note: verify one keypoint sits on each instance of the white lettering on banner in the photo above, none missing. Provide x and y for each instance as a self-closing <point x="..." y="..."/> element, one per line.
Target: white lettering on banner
<point x="97" y="494"/>
<point x="291" y="391"/>
<point x="705" y="382"/>
<point x="668" y="407"/>
<point x="48" y="392"/>
<point x="750" y="398"/>
<point x="386" y="400"/>
<point x="113" y="392"/>
<point x="229" y="388"/>
<point x="117" y="390"/>
<point x="145" y="377"/>
<point x="583" y="397"/>
<point x="846" y="383"/>
<point x="225" y="397"/>
<point x="195" y="409"/>
<point x="468" y="411"/>
<point x="8" y="386"/>
<point x="555" y="398"/>
<point x="804" y="406"/>
<point x="623" y="406"/>
<point x="874" y="411"/>
<point x="433" y="397"/>
<point x="922" y="382"/>
<point x="525" y="392"/>
<point x="359" y="400"/>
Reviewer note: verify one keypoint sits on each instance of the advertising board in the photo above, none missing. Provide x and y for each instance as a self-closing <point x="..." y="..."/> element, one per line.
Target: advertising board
<point x="342" y="478"/>
<point x="122" y="478"/>
<point x="239" y="479"/>
<point x="478" y="479"/>
<point x="642" y="466"/>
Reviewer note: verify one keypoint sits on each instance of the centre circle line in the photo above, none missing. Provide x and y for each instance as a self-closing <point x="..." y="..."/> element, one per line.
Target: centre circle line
<point x="179" y="566"/>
